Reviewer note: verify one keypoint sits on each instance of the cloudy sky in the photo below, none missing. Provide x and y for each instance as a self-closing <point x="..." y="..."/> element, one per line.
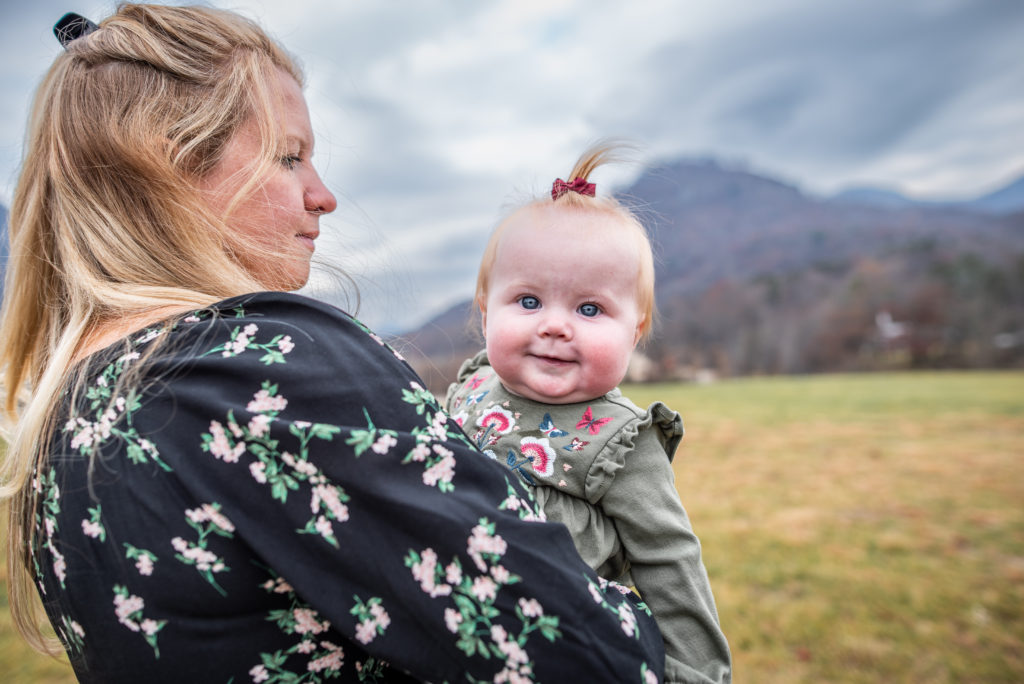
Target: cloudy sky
<point x="433" y="116"/>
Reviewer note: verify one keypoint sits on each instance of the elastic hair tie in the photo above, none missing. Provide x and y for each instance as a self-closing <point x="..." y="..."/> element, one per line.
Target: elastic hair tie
<point x="578" y="185"/>
<point x="72" y="27"/>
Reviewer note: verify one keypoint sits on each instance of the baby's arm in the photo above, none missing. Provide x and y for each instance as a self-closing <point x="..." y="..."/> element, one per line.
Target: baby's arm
<point x="666" y="564"/>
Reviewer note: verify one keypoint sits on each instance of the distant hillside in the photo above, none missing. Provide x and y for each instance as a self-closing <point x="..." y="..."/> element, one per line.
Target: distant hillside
<point x="754" y="276"/>
<point x="1006" y="200"/>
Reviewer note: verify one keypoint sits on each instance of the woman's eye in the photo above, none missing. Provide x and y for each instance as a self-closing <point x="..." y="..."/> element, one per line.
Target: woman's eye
<point x="291" y="161"/>
<point x="529" y="302"/>
<point x="589" y="310"/>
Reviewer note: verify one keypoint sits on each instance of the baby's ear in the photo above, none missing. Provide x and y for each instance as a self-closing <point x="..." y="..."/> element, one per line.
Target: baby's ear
<point x="639" y="332"/>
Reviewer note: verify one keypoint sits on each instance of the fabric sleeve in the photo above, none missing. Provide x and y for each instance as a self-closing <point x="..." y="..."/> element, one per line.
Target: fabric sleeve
<point x="346" y="479"/>
<point x="665" y="562"/>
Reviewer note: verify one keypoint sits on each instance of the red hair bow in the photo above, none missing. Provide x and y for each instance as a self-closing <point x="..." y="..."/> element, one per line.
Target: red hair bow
<point x="560" y="187"/>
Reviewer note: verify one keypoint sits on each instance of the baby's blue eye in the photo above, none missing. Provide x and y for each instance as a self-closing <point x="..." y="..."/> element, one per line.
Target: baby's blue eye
<point x="589" y="310"/>
<point x="529" y="302"/>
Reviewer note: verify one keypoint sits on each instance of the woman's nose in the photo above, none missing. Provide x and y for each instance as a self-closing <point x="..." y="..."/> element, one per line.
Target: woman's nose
<point x="317" y="198"/>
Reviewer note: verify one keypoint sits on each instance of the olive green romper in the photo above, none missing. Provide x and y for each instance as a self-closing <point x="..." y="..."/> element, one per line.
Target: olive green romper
<point x="603" y="469"/>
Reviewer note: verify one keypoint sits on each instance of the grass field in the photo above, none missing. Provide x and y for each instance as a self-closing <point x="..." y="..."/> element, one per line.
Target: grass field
<point x="864" y="528"/>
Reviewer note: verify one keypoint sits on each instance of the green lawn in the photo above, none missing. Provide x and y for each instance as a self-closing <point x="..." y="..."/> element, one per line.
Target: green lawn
<point x="864" y="528"/>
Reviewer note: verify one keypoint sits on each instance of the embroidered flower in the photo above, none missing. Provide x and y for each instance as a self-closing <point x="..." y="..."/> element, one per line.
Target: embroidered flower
<point x="499" y="420"/>
<point x="540" y="453"/>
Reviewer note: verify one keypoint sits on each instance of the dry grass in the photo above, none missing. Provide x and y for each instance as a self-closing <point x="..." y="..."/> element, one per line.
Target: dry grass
<point x="861" y="528"/>
<point x="856" y="528"/>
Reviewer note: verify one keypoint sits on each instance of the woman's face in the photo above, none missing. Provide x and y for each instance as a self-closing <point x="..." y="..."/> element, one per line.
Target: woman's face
<point x="278" y="221"/>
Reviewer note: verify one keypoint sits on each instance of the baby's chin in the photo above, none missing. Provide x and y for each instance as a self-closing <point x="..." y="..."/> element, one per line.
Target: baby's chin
<point x="545" y="395"/>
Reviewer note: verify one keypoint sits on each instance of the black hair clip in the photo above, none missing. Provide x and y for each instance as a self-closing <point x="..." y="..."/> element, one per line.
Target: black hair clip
<point x="72" y="26"/>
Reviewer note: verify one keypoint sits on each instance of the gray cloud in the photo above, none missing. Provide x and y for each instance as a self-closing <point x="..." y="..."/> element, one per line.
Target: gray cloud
<point x="434" y="115"/>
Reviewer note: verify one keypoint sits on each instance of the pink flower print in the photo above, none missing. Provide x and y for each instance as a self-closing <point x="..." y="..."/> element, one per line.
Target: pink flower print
<point x="595" y="593"/>
<point x="376" y="618"/>
<point x="380" y="615"/>
<point x="221" y="448"/>
<point x="144" y="565"/>
<point x="500" y="574"/>
<point x="306" y="621"/>
<point x="84" y="437"/>
<point x="384" y="443"/>
<point x="92" y="529"/>
<point x="484" y="588"/>
<point x="498" y="419"/>
<point x="453" y="574"/>
<point x="258" y="426"/>
<point x="334" y="659"/>
<point x="285" y="344"/>
<point x="420" y="452"/>
<point x="443" y="470"/>
<point x="627" y="619"/>
<point x="439" y="427"/>
<point x="540" y="453"/>
<point x="424" y="572"/>
<point x="482" y="542"/>
<point x="324" y="528"/>
<point x="60" y="566"/>
<point x="530" y="608"/>
<point x="452" y="619"/>
<point x="263" y="401"/>
<point x="259" y="674"/>
<point x="258" y="469"/>
<point x="125" y="607"/>
<point x="149" y="626"/>
<point x="306" y="647"/>
<point x="328" y="496"/>
<point x="650" y="677"/>
<point x="277" y="585"/>
<point x="365" y="632"/>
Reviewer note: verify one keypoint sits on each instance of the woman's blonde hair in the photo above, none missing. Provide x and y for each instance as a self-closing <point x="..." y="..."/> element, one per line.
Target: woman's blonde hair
<point x="107" y="222"/>
<point x="598" y="154"/>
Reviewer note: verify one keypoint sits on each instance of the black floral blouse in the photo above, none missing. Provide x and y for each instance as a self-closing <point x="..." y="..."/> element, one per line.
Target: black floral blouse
<point x="274" y="497"/>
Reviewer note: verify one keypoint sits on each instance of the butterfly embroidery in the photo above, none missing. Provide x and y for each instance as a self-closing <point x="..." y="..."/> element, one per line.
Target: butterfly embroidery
<point x="475" y="381"/>
<point x="547" y="426"/>
<point x="475" y="398"/>
<point x="591" y="424"/>
<point x="576" y="445"/>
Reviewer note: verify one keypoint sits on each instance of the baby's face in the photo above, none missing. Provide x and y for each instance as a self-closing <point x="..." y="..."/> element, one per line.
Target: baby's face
<point x="561" y="316"/>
